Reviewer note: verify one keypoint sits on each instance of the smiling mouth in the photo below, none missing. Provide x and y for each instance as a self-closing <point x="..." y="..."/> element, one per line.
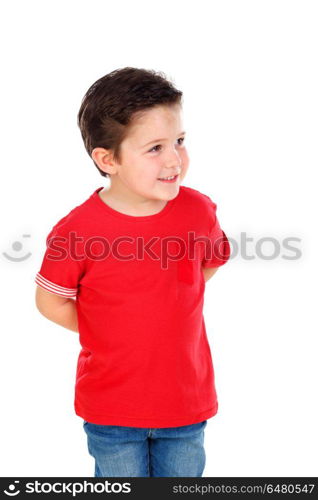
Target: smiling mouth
<point x="171" y="178"/>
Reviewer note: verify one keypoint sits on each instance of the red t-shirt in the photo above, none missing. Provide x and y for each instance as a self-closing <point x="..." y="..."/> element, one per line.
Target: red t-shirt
<point x="145" y="359"/>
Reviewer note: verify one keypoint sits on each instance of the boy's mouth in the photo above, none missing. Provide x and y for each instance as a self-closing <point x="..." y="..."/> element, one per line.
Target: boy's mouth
<point x="171" y="178"/>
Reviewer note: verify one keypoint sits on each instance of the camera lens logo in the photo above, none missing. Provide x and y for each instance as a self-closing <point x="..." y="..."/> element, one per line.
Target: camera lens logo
<point x="12" y="492"/>
<point x="17" y="247"/>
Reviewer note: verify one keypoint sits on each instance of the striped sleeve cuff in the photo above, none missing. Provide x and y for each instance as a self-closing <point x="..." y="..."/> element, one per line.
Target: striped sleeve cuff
<point x="52" y="287"/>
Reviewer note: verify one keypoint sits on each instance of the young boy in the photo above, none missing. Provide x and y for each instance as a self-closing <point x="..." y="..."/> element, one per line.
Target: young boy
<point x="135" y="257"/>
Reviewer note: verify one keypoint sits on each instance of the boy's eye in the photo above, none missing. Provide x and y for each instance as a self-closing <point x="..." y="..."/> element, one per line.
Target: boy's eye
<point x="154" y="149"/>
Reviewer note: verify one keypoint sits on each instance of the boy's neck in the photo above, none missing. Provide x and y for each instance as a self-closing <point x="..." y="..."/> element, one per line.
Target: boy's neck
<point x="129" y="203"/>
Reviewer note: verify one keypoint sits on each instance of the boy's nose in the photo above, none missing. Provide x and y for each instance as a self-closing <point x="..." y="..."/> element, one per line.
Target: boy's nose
<point x="173" y="160"/>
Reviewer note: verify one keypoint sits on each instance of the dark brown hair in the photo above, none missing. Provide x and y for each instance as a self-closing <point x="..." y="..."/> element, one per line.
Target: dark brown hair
<point x="112" y="102"/>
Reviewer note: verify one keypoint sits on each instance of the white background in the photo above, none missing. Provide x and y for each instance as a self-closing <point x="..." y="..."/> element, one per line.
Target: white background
<point x="248" y="71"/>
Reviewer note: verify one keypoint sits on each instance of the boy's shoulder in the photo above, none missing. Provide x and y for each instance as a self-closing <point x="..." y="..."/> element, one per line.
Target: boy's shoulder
<point x="77" y="218"/>
<point x="200" y="208"/>
<point x="198" y="199"/>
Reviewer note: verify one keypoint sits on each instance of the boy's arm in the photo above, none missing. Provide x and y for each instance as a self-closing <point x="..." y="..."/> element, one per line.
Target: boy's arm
<point x="208" y="272"/>
<point x="60" y="310"/>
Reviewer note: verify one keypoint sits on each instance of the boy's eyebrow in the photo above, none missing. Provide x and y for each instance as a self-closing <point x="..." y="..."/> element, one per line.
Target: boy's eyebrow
<point x="158" y="140"/>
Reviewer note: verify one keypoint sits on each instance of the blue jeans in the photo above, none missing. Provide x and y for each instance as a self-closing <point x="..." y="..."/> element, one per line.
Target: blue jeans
<point x="139" y="452"/>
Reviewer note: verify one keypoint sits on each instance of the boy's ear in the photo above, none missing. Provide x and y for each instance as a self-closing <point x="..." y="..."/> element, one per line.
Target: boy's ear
<point x="104" y="159"/>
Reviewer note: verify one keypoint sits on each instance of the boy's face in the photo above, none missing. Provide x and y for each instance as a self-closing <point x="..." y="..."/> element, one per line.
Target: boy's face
<point x="153" y="149"/>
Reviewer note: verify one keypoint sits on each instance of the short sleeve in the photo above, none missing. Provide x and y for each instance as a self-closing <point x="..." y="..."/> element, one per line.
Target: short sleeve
<point x="217" y="249"/>
<point x="62" y="265"/>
